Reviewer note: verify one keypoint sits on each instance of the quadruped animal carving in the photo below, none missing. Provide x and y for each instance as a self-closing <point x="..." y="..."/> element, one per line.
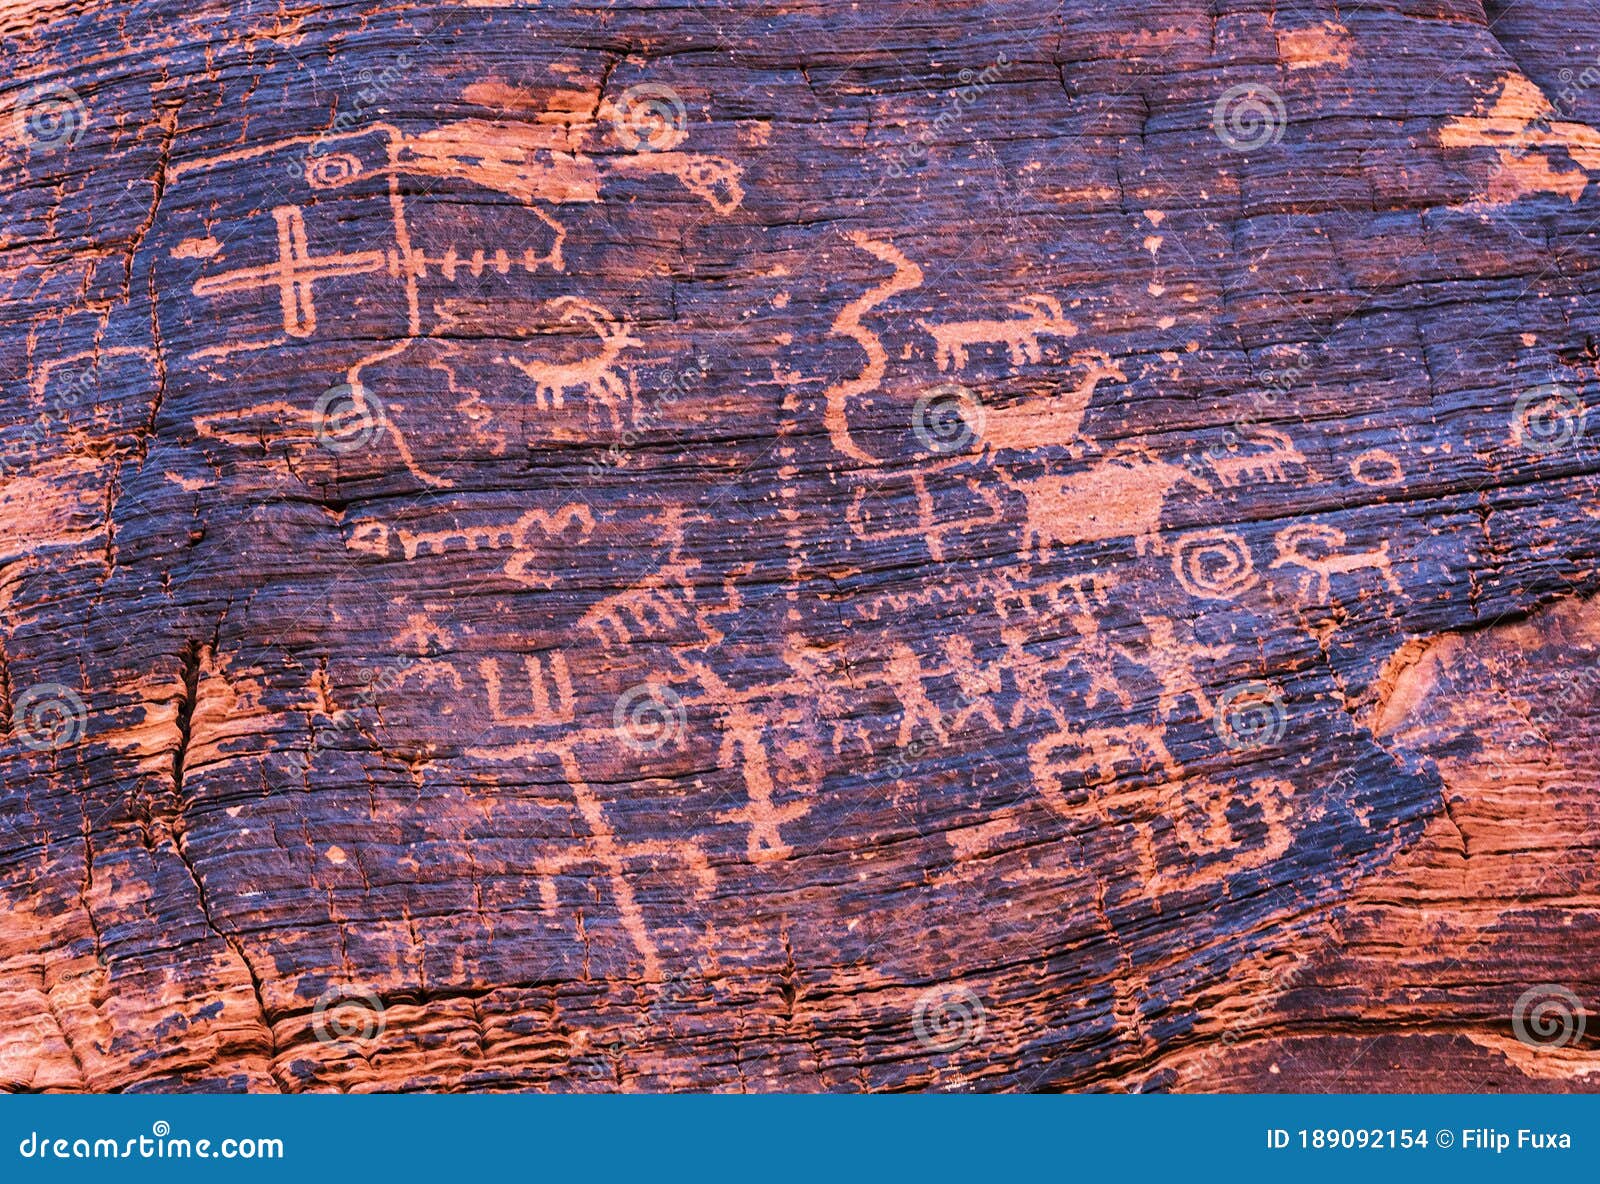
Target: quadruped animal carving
<point x="710" y="178"/>
<point x="1271" y="459"/>
<point x="1119" y="497"/>
<point x="573" y="522"/>
<point x="595" y="376"/>
<point x="1054" y="418"/>
<point x="1318" y="550"/>
<point x="320" y="259"/>
<point x="1042" y="316"/>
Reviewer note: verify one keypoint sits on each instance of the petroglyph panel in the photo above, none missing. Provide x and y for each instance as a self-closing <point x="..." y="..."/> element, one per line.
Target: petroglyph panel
<point x="683" y="539"/>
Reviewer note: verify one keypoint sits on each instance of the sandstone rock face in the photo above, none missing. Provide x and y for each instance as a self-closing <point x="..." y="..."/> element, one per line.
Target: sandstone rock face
<point x="766" y="547"/>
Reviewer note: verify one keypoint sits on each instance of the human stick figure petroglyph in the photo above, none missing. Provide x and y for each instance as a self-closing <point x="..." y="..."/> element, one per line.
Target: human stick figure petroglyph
<point x="1172" y="663"/>
<point x="1042" y="316"/>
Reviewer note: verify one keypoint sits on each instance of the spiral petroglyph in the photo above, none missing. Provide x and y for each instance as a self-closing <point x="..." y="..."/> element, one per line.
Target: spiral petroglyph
<point x="1214" y="565"/>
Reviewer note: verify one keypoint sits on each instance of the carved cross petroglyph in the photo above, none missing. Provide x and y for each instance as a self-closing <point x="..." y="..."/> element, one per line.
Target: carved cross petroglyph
<point x="294" y="274"/>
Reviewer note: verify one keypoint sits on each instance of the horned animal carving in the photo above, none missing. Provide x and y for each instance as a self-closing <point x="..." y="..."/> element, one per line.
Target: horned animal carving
<point x="595" y="375"/>
<point x="1049" y="419"/>
<point x="1041" y="317"/>
<point x="1318" y="550"/>
<point x="1270" y="461"/>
